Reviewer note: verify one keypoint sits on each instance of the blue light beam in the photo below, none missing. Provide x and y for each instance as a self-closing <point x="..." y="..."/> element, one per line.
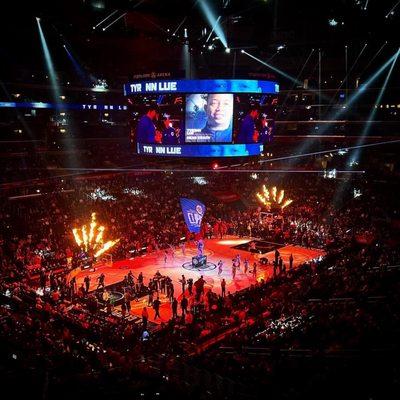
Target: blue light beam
<point x="213" y="21"/>
<point x="50" y="66"/>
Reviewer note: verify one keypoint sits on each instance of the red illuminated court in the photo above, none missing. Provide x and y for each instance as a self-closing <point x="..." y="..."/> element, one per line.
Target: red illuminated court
<point x="216" y="250"/>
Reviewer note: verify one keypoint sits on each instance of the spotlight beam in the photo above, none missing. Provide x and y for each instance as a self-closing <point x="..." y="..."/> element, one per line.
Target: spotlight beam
<point x="222" y="169"/>
<point x="392" y="9"/>
<point x="33" y="182"/>
<point x="105" y="19"/>
<point x="304" y="65"/>
<point x="328" y="151"/>
<point x="56" y="91"/>
<point x="213" y="21"/>
<point x="219" y="170"/>
<point x="294" y="84"/>
<point x="50" y="66"/>
<point x="372" y="114"/>
<point x="373" y="58"/>
<point x="273" y="55"/>
<point x="114" y="21"/>
<point x="181" y="23"/>
<point x="335" y="116"/>
<point x="78" y="69"/>
<point x="284" y="74"/>
<point x="212" y="30"/>
<point x="362" y="89"/>
<point x="381" y="92"/>
<point x="355" y="62"/>
<point x="280" y="72"/>
<point x="154" y="24"/>
<point x="184" y="19"/>
<point x="348" y="74"/>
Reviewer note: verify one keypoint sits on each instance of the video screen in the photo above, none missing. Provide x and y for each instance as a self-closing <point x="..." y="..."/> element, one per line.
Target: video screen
<point x="203" y="122"/>
<point x="206" y="118"/>
<point x="209" y="118"/>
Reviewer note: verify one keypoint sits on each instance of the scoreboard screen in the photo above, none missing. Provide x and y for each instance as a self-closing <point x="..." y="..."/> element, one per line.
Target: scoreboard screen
<point x="202" y="118"/>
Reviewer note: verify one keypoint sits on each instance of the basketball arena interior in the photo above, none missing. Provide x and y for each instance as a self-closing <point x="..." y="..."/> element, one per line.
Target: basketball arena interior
<point x="199" y="199"/>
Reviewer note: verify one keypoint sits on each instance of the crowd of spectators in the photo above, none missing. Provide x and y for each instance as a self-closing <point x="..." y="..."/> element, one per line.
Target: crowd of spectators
<point x="347" y="301"/>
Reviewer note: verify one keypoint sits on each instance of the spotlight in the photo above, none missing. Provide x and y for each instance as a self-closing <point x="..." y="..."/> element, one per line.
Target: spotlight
<point x="242" y="51"/>
<point x="227" y="50"/>
<point x="281" y="47"/>
<point x="210" y="47"/>
<point x="213" y="21"/>
<point x="332" y="22"/>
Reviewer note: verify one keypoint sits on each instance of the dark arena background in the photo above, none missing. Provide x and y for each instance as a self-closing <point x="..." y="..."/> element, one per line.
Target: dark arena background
<point x="200" y="199"/>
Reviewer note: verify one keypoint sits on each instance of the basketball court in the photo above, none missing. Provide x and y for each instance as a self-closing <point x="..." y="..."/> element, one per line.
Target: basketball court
<point x="215" y="249"/>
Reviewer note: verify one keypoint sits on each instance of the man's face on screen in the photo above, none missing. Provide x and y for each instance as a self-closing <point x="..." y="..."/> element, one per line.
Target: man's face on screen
<point x="219" y="110"/>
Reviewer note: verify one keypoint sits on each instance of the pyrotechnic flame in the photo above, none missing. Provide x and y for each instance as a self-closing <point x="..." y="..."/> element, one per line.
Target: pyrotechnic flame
<point x="286" y="203"/>
<point x="106" y="246"/>
<point x="99" y="237"/>
<point x="274" y="193"/>
<point x="92" y="226"/>
<point x="266" y="192"/>
<point x="78" y="240"/>
<point x="281" y="196"/>
<point x="265" y="197"/>
<point x="87" y="240"/>
<point x="85" y="237"/>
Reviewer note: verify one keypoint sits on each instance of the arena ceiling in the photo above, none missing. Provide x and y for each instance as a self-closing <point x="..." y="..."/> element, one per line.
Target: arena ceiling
<point x="131" y="28"/>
